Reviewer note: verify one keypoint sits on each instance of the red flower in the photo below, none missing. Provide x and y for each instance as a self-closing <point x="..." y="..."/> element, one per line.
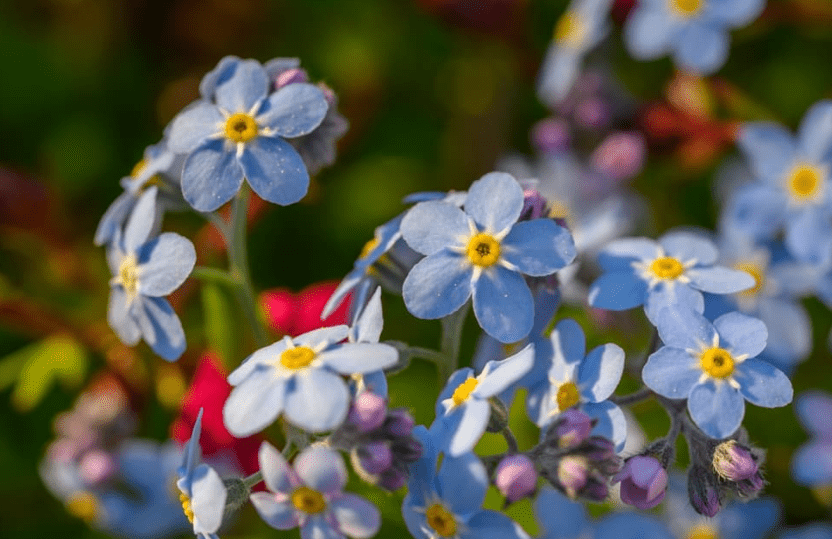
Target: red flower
<point x="293" y="314"/>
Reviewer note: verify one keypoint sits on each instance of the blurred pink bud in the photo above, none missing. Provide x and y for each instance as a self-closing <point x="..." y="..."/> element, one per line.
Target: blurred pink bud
<point x="643" y="482"/>
<point x="375" y="457"/>
<point x="96" y="466"/>
<point x="620" y="156"/>
<point x="592" y="113"/>
<point x="291" y="76"/>
<point x="368" y="411"/>
<point x="573" y="427"/>
<point x="516" y="477"/>
<point x="550" y="135"/>
<point x="573" y="473"/>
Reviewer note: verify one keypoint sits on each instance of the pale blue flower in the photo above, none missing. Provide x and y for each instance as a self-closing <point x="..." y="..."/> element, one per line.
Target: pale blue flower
<point x="715" y="367"/>
<point x="301" y="378"/>
<point x="482" y="252"/>
<point x="812" y="462"/>
<point x="560" y="517"/>
<point x="631" y="525"/>
<point x="810" y="531"/>
<point x="241" y="135"/>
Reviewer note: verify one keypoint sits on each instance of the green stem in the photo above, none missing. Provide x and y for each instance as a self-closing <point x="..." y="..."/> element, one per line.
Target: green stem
<point x="253" y="479"/>
<point x="510" y="440"/>
<point x="214" y="275"/>
<point x="451" y="339"/>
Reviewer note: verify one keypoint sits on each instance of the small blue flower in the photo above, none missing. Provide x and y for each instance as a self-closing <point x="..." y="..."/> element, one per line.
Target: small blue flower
<point x="463" y="410"/>
<point x="202" y="490"/>
<point x="241" y="135"/>
<point x="449" y="503"/>
<point x="482" y="252"/>
<point x="694" y="31"/>
<point x="570" y="377"/>
<point x="794" y="189"/>
<point x="812" y="462"/>
<point x="579" y="29"/>
<point x="300" y="377"/>
<point x="560" y="517"/>
<point x="310" y="496"/>
<point x="368" y="329"/>
<point x="671" y="272"/>
<point x="714" y="366"/>
<point x="145" y="270"/>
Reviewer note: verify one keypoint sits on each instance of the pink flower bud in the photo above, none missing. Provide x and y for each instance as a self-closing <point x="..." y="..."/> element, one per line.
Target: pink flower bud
<point x="516" y="477"/>
<point x="291" y="76"/>
<point x="368" y="411"/>
<point x="96" y="466"/>
<point x="573" y="473"/>
<point x="620" y="156"/>
<point x="573" y="427"/>
<point x="734" y="462"/>
<point x="375" y="457"/>
<point x="643" y="482"/>
<point x="550" y="135"/>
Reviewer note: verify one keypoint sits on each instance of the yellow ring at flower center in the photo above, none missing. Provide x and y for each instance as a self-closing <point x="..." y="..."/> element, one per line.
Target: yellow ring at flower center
<point x="296" y="358"/>
<point x="441" y="520"/>
<point x="463" y="390"/>
<point x="240" y="127"/>
<point x="686" y="8"/>
<point x="308" y="500"/>
<point x="483" y="250"/>
<point x="567" y="396"/>
<point x="667" y="267"/>
<point x="804" y="182"/>
<point x="717" y="362"/>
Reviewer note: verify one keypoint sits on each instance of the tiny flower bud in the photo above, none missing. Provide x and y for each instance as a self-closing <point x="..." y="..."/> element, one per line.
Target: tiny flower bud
<point x="573" y="472"/>
<point x="375" y="457"/>
<point x="96" y="466"/>
<point x="703" y="491"/>
<point x="291" y="76"/>
<point x="550" y="135"/>
<point x="573" y="427"/>
<point x="368" y="411"/>
<point x="734" y="462"/>
<point x="399" y="423"/>
<point x="534" y="205"/>
<point x="643" y="482"/>
<point x="751" y="487"/>
<point x="392" y="479"/>
<point x="592" y="113"/>
<point x="516" y="477"/>
<point x="620" y="156"/>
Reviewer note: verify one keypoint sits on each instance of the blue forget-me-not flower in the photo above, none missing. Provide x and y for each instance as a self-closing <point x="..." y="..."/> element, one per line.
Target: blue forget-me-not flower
<point x="482" y="252"/>
<point x="145" y="270"/>
<point x="715" y="367"/>
<point x="241" y="133"/>
<point x="812" y="462"/>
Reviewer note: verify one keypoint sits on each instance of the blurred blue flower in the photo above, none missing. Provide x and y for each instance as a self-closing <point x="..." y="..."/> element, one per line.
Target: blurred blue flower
<point x="810" y="531"/>
<point x="715" y="367"/>
<point x="241" y="135"/>
<point x="462" y="410"/>
<point x="482" y="252"/>
<point x="695" y="32"/>
<point x="300" y="377"/>
<point x="560" y="517"/>
<point x="812" y="462"/>
<point x="670" y="272"/>
<point x="630" y="525"/>
<point x="570" y="377"/>
<point x="144" y="270"/>
<point x="310" y="495"/>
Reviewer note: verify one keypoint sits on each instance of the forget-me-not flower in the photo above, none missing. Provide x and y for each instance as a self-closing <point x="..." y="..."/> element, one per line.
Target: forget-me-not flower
<point x="463" y="410"/>
<point x="482" y="252"/>
<point x="715" y="367"/>
<point x="812" y="462"/>
<point x="310" y="495"/>
<point x="570" y="377"/>
<point x="695" y="32"/>
<point x="241" y="135"/>
<point x="300" y="377"/>
<point x="673" y="271"/>
<point x="144" y="270"/>
<point x="560" y="517"/>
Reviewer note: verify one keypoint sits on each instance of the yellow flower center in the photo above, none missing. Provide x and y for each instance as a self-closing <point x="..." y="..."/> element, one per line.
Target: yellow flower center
<point x="667" y="267"/>
<point x="307" y="500"/>
<point x="686" y="8"/>
<point x="567" y="396"/>
<point x="483" y="250"/>
<point x="702" y="531"/>
<point x="296" y="358"/>
<point x="240" y="127"/>
<point x="128" y="274"/>
<point x="558" y="210"/>
<point x="137" y="169"/>
<point x="755" y="271"/>
<point x="368" y="247"/>
<point x="463" y="391"/>
<point x="441" y="520"/>
<point x="570" y="29"/>
<point x="804" y="182"/>
<point x="186" y="506"/>
<point x="717" y="362"/>
<point x="83" y="505"/>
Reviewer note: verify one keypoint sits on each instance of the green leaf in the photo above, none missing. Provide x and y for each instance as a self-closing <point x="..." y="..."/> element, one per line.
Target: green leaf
<point x="58" y="358"/>
<point x="221" y="329"/>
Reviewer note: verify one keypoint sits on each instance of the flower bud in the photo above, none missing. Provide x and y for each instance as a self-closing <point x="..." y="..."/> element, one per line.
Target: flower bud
<point x="703" y="491"/>
<point x="96" y="466"/>
<point x="573" y="427"/>
<point x="751" y="487"/>
<point x="516" y="477"/>
<point x="291" y="76"/>
<point x="368" y="411"/>
<point x="399" y="423"/>
<point x="392" y="479"/>
<point x="375" y="457"/>
<point x="734" y="462"/>
<point x="643" y="482"/>
<point x="573" y="472"/>
<point x="620" y="156"/>
<point x="592" y="113"/>
<point x="550" y="135"/>
<point x="534" y="205"/>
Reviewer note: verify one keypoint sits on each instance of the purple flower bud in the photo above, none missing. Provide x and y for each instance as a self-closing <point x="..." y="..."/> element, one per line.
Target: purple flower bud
<point x="703" y="491"/>
<point x="573" y="472"/>
<point x="595" y="491"/>
<point x="392" y="479"/>
<point x="516" y="477"/>
<point x="643" y="482"/>
<point x="550" y="135"/>
<point x="375" y="457"/>
<point x="96" y="466"/>
<point x="620" y="156"/>
<point x="399" y="423"/>
<point x="534" y="205"/>
<point x="751" y="487"/>
<point x="407" y="449"/>
<point x="368" y="411"/>
<point x="329" y="94"/>
<point x="734" y="462"/>
<point x="573" y="427"/>
<point x="592" y="113"/>
<point x="291" y="76"/>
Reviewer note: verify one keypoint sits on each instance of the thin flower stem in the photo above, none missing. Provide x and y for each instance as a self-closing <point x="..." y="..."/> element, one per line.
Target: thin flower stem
<point x="510" y="440"/>
<point x="238" y="260"/>
<point x="253" y="479"/>
<point x="633" y="398"/>
<point x="426" y="353"/>
<point x="451" y="338"/>
<point x="214" y="275"/>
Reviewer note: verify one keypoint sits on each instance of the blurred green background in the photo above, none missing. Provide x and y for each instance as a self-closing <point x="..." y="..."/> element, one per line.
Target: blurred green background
<point x="435" y="91"/>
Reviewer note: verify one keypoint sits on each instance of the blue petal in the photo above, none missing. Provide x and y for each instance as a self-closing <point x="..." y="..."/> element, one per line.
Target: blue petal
<point x="278" y="515"/>
<point x="686" y="246"/>
<point x="809" y="236"/>
<point x="422" y="484"/>
<point x="619" y="255"/>
<point x="165" y="263"/>
<point x="369" y="324"/>
<point x="492" y="525"/>
<point x="612" y="424"/>
<point x="671" y="372"/>
<point x="503" y="304"/>
<point x="719" y="279"/>
<point x="349" y="282"/>
<point x="630" y="525"/>
<point x="141" y="221"/>
<point x="763" y="384"/>
<point x="211" y="176"/>
<point x="736" y="13"/>
<point x="207" y="499"/>
<point x="352" y="358"/>
<point x="471" y="418"/>
<point x="431" y="226"/>
<point x="600" y="372"/>
<point x="322" y="469"/>
<point x="675" y="296"/>
<point x="769" y="147"/>
<point x="274" y="170"/>
<point x="191" y="452"/>
<point x="120" y="319"/>
<point x="276" y="66"/>
<point x="246" y="88"/>
<point x="684" y="329"/>
<point x="789" y="329"/>
<point x="458" y="377"/>
<point x="294" y="110"/>
<point x="813" y="409"/>
<point x="752" y="520"/>
<point x="415" y="520"/>
<point x="538" y="247"/>
<point x="741" y="334"/>
<point x="815" y="133"/>
<point x="756" y="210"/>
<point x="812" y="463"/>
<point x="560" y="517"/>
<point x="113" y="218"/>
<point x="702" y="47"/>
<point x="558" y="72"/>
<point x="316" y="400"/>
<point x="193" y="125"/>
<point x="495" y="201"/>
<point x="649" y="33"/>
<point x="498" y="375"/>
<point x="264" y="355"/>
<point x="319" y="527"/>
<point x="161" y="328"/>
<point x="255" y="403"/>
<point x="437" y="286"/>
<point x="463" y="474"/>
<point x="717" y="409"/>
<point x="317" y="337"/>
<point x="617" y="291"/>
<point x="541" y="403"/>
<point x="278" y="475"/>
<point x="220" y="74"/>
<point x="356" y="517"/>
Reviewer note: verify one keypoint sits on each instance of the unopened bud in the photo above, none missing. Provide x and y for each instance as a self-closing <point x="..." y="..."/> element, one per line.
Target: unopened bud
<point x="291" y="76"/>
<point x="620" y="156"/>
<point x="368" y="411"/>
<point x="399" y="423"/>
<point x="375" y="457"/>
<point x="392" y="479"/>
<point x="643" y="482"/>
<point x="734" y="462"/>
<point x="550" y="135"/>
<point x="516" y="477"/>
<point x="751" y="487"/>
<point x="573" y="472"/>
<point x="703" y="491"/>
<point x="534" y="205"/>
<point x="96" y="466"/>
<point x="573" y="427"/>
